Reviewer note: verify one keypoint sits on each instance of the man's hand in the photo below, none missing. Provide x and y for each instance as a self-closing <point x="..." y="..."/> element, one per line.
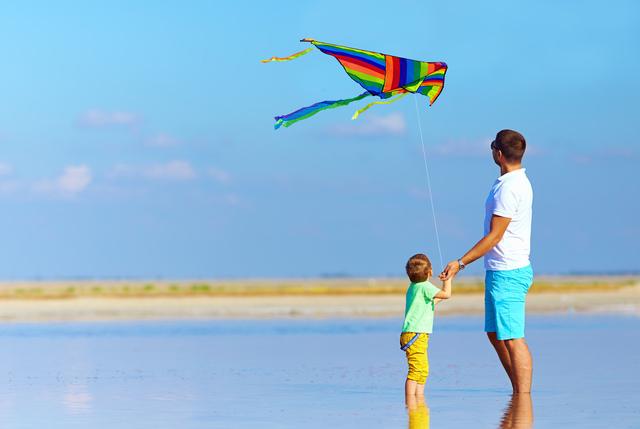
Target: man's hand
<point x="498" y="226"/>
<point x="450" y="270"/>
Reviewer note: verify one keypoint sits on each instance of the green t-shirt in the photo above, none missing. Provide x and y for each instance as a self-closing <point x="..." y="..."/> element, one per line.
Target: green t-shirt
<point x="419" y="307"/>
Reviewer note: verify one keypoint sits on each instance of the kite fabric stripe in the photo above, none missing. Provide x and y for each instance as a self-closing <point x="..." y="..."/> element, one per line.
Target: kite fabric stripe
<point x="433" y="84"/>
<point x="306" y="112"/>
<point x="382" y="75"/>
<point x="366" y="68"/>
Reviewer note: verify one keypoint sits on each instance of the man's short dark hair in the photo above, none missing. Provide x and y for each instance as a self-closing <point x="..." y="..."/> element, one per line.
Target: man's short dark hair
<point x="418" y="268"/>
<point x="512" y="145"/>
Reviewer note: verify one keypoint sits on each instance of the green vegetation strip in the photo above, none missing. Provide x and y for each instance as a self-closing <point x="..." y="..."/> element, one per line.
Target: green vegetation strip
<point x="278" y="288"/>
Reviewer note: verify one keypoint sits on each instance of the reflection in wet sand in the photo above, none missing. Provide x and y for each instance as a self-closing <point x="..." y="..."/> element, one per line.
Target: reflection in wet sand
<point x="418" y="412"/>
<point x="519" y="412"/>
<point x="77" y="399"/>
<point x="192" y="375"/>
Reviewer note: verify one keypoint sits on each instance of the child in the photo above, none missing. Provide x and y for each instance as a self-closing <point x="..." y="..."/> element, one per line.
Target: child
<point x="418" y="320"/>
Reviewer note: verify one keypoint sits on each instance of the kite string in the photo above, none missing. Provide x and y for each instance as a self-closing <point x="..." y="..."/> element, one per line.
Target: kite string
<point x="426" y="169"/>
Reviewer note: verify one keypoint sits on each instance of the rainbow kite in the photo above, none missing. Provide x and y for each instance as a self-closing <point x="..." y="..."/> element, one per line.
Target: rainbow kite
<point x="382" y="75"/>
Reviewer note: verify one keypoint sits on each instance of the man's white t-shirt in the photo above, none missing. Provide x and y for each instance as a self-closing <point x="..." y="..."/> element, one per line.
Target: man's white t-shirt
<point x="511" y="196"/>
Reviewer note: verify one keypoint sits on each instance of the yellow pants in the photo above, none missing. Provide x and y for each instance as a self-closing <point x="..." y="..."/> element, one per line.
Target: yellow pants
<point x="416" y="356"/>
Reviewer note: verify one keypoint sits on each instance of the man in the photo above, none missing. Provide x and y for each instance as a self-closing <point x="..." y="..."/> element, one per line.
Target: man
<point x="505" y="247"/>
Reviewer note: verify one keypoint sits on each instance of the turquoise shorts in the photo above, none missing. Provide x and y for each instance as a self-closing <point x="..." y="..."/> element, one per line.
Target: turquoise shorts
<point x="504" y="298"/>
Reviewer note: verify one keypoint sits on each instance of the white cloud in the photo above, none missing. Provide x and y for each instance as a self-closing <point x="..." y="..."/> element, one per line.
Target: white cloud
<point x="162" y="140"/>
<point x="462" y="148"/>
<point x="173" y="170"/>
<point x="219" y="176"/>
<point x="99" y="118"/>
<point x="5" y="169"/>
<point x="233" y="200"/>
<point x="73" y="180"/>
<point x="608" y="153"/>
<point x="581" y="159"/>
<point x="122" y="170"/>
<point x="418" y="193"/>
<point x="9" y="187"/>
<point x="624" y="152"/>
<point x="372" y="125"/>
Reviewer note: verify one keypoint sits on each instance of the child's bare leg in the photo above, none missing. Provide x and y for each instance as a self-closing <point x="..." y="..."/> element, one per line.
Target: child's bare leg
<point x="411" y="401"/>
<point x="411" y="388"/>
<point x="419" y="389"/>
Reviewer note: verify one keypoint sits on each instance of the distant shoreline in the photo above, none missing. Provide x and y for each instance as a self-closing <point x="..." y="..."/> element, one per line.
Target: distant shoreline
<point x="268" y="299"/>
<point x="73" y="289"/>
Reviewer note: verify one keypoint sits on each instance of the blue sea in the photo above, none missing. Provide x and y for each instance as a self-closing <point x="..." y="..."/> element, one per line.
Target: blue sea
<point x="312" y="374"/>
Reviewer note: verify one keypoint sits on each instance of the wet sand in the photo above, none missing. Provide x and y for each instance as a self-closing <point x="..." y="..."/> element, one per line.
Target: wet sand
<point x="312" y="373"/>
<point x="618" y="300"/>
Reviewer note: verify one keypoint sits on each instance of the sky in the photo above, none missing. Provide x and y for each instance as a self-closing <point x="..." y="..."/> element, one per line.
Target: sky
<point x="137" y="140"/>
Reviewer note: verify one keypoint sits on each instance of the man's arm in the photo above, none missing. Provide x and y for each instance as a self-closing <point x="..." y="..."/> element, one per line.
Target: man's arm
<point x="498" y="226"/>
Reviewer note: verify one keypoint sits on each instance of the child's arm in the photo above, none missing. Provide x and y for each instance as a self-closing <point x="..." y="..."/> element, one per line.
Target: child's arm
<point x="445" y="293"/>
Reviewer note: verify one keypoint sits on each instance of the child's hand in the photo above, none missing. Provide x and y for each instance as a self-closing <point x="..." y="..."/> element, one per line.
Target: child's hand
<point x="450" y="270"/>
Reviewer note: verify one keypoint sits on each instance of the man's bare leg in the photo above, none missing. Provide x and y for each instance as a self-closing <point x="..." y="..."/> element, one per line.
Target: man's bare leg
<point x="503" y="354"/>
<point x="521" y="365"/>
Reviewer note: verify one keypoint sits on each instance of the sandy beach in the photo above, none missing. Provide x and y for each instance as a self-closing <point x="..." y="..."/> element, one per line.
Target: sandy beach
<point x="95" y="301"/>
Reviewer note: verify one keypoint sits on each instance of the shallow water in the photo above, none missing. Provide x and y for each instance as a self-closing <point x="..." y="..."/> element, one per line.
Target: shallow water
<point x="312" y="374"/>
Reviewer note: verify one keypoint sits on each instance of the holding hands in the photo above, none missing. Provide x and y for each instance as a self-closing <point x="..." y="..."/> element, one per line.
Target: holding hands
<point x="451" y="270"/>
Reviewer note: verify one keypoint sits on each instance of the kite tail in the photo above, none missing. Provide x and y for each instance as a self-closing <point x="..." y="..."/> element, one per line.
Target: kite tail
<point x="290" y="57"/>
<point x="306" y="112"/>
<point x="368" y="106"/>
